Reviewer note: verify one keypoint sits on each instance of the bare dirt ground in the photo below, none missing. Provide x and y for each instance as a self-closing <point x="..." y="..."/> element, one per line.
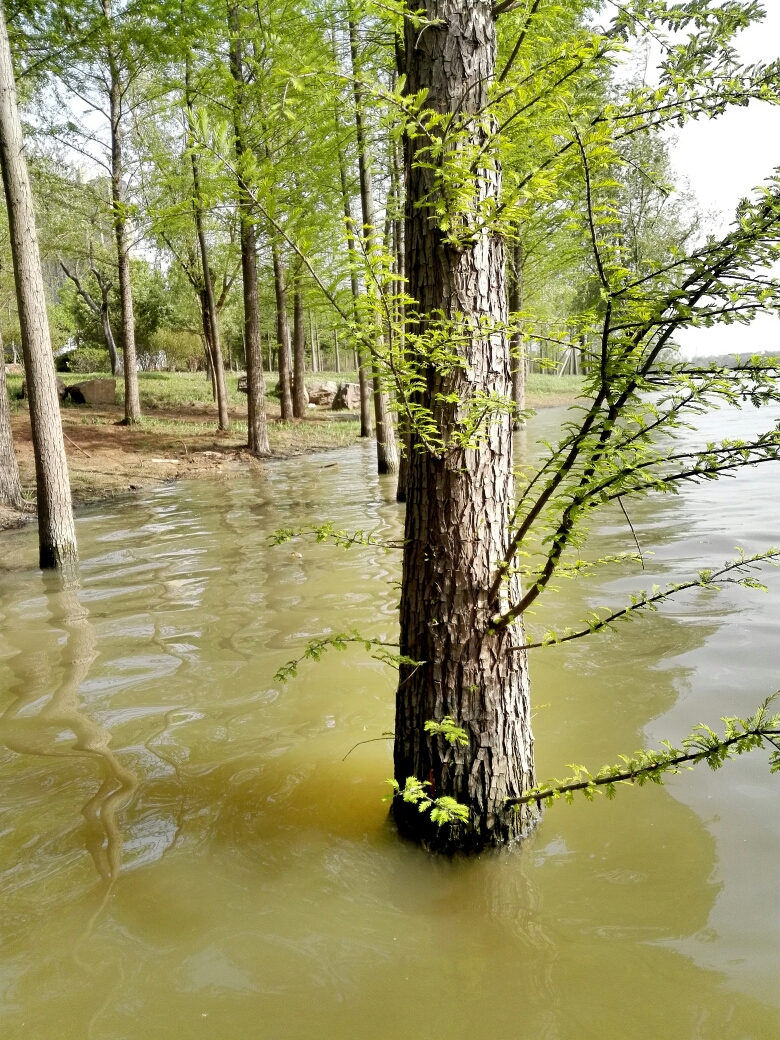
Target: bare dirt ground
<point x="178" y="437"/>
<point x="107" y="459"/>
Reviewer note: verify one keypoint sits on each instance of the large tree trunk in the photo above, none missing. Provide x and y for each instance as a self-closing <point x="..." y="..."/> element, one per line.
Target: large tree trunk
<point x="518" y="361"/>
<point x="386" y="450"/>
<point x="257" y="426"/>
<point x="458" y="503"/>
<point x="118" y="204"/>
<point x="10" y="485"/>
<point x="282" y="334"/>
<point x="56" y="530"/>
<point x="299" y="353"/>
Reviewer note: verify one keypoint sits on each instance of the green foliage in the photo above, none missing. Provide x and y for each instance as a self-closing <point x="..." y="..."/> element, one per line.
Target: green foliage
<point x="87" y="359"/>
<point x="443" y="809"/>
<point x="735" y="572"/>
<point x="702" y="745"/>
<point x="327" y="532"/>
<point x="453" y="734"/>
<point x="182" y="348"/>
<point x="379" y="649"/>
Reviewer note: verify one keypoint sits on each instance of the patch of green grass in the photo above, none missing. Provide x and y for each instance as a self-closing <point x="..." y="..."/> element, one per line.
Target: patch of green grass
<point x="538" y="384"/>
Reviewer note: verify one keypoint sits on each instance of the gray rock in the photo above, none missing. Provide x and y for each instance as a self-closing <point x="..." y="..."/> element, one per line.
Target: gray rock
<point x="347" y="397"/>
<point x="94" y="392"/>
<point x="323" y="394"/>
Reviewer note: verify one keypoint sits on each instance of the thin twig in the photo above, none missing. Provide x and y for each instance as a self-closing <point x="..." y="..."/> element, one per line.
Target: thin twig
<point x="633" y="532"/>
<point x="67" y="438"/>
<point x="371" y="740"/>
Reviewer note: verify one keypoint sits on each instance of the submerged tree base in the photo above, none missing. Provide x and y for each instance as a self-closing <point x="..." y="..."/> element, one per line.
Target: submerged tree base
<point x="61" y="558"/>
<point x="508" y="829"/>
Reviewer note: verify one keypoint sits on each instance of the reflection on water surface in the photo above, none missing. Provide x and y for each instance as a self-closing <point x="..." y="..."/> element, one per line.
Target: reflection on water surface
<point x="183" y="852"/>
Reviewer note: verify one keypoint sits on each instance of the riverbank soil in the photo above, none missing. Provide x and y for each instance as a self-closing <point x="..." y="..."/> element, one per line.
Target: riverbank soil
<point x="178" y="437"/>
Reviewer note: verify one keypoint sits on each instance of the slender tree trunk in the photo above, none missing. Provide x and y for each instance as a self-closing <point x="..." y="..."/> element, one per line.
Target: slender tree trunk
<point x="10" y="485"/>
<point x="458" y="503"/>
<point x="217" y="363"/>
<point x="363" y="378"/>
<point x="100" y="310"/>
<point x="257" y="425"/>
<point x="399" y="247"/>
<point x="337" y="359"/>
<point x="282" y="334"/>
<point x="108" y="335"/>
<point x="299" y="353"/>
<point x="119" y="207"/>
<point x="56" y="530"/>
<point x="315" y="350"/>
<point x="518" y="361"/>
<point x="386" y="450"/>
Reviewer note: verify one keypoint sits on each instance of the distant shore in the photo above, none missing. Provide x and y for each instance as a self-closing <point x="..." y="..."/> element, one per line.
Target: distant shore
<point x="178" y="437"/>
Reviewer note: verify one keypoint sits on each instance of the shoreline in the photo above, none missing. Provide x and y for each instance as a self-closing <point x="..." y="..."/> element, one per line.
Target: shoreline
<point x="107" y="461"/>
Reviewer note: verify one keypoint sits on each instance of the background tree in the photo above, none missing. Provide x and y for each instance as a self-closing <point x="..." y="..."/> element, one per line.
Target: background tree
<point x="56" y="530"/>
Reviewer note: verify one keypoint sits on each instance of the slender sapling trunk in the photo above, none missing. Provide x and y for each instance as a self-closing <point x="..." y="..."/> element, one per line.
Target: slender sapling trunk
<point x="282" y="334"/>
<point x="299" y="353"/>
<point x="56" y="530"/>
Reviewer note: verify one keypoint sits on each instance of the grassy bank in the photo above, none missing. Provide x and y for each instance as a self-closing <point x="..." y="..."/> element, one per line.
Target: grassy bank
<point x="192" y="390"/>
<point x="178" y="437"/>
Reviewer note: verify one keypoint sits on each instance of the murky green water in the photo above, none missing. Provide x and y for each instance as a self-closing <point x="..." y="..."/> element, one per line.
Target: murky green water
<point x="184" y="854"/>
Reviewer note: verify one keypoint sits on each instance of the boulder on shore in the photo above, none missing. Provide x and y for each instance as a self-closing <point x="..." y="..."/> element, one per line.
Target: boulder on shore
<point x="94" y="392"/>
<point x="323" y="394"/>
<point x="62" y="390"/>
<point x="347" y="397"/>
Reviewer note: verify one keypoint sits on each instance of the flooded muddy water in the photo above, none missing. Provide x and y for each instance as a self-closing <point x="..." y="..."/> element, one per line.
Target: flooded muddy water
<point x="185" y="853"/>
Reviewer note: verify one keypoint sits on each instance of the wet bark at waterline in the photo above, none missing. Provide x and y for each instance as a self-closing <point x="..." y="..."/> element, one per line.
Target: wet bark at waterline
<point x="56" y="530"/>
<point x="458" y="504"/>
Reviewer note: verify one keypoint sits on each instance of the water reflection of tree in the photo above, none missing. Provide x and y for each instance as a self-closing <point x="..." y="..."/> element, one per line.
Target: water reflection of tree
<point x="40" y="734"/>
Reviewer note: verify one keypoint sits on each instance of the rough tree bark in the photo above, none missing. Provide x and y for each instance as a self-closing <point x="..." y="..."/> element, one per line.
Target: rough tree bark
<point x="56" y="530"/>
<point x="10" y="485"/>
<point x="119" y="208"/>
<point x="458" y="504"/>
<point x="518" y="362"/>
<point x="101" y="310"/>
<point x="386" y="450"/>
<point x="257" y="426"/>
<point x="282" y="333"/>
<point x="299" y="352"/>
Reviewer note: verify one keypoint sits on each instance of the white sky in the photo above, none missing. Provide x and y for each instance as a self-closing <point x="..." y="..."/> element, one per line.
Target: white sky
<point x="724" y="159"/>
